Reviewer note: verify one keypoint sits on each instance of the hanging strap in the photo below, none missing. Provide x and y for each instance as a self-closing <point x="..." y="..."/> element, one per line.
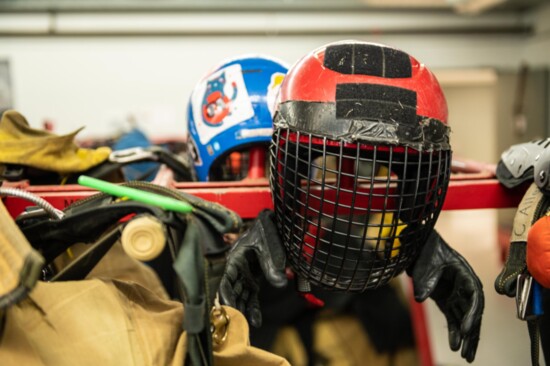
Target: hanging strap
<point x="189" y="266"/>
<point x="534" y="336"/>
<point x="515" y="264"/>
<point x="533" y="206"/>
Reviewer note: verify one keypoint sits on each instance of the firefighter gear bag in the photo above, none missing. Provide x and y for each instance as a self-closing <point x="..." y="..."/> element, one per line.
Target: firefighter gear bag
<point x="118" y="315"/>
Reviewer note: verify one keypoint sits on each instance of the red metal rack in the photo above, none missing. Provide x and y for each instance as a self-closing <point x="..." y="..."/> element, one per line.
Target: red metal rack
<point x="249" y="197"/>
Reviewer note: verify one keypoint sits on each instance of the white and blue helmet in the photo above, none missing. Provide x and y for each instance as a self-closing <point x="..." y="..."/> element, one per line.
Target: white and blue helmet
<point x="231" y="109"/>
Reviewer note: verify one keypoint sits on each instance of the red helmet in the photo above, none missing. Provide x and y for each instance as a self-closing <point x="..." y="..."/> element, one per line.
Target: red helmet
<point x="360" y="163"/>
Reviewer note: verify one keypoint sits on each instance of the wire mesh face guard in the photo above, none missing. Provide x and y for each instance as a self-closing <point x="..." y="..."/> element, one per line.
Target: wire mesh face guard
<point x="352" y="215"/>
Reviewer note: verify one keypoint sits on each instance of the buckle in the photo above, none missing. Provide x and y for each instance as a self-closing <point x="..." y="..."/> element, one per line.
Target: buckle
<point x="523" y="295"/>
<point x="219" y="325"/>
<point x="131" y="155"/>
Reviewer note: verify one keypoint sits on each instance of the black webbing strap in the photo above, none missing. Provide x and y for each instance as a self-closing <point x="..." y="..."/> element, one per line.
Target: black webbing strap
<point x="190" y="268"/>
<point x="534" y="336"/>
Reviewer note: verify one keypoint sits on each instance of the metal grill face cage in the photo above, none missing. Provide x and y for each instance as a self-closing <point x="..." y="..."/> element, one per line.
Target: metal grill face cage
<point x="353" y="216"/>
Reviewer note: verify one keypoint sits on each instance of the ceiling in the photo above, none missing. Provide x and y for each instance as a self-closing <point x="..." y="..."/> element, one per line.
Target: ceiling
<point x="459" y="6"/>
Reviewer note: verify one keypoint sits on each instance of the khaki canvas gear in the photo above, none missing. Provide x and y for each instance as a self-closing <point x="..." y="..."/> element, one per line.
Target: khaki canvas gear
<point x="340" y="339"/>
<point x="236" y="350"/>
<point x="92" y="322"/>
<point x="119" y="315"/>
<point x="101" y="322"/>
<point x="20" y="264"/>
<point x="22" y="145"/>
<point x="116" y="264"/>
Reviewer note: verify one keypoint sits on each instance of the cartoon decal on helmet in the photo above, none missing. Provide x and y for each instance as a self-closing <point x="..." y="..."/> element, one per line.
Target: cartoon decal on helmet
<point x="220" y="102"/>
<point x="216" y="104"/>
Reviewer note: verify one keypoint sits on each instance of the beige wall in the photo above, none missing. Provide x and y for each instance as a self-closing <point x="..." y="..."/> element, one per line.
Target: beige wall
<point x="472" y="117"/>
<point x="534" y="102"/>
<point x="480" y="115"/>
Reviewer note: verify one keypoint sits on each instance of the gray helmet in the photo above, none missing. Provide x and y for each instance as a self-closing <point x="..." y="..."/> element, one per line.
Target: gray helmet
<point x="525" y="162"/>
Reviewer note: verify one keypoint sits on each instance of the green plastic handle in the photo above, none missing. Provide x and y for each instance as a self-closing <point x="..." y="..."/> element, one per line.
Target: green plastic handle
<point x="154" y="199"/>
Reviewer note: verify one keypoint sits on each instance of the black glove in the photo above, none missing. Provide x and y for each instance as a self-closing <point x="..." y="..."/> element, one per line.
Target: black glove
<point x="258" y="251"/>
<point x="444" y="275"/>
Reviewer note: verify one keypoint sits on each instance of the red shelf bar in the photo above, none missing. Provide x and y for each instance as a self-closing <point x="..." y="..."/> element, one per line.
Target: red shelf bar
<point x="249" y="198"/>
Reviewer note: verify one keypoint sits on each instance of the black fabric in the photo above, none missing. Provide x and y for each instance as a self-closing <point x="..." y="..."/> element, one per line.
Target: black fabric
<point x="544" y="327"/>
<point x="101" y="171"/>
<point x="385" y="317"/>
<point x="384" y="93"/>
<point x="397" y="64"/>
<point x="368" y="59"/>
<point x="534" y="337"/>
<point x="304" y="326"/>
<point x="284" y="307"/>
<point x="162" y="265"/>
<point x="35" y="176"/>
<point x="2" y="324"/>
<point x="382" y="313"/>
<point x="340" y="58"/>
<point x="376" y="103"/>
<point x="86" y="225"/>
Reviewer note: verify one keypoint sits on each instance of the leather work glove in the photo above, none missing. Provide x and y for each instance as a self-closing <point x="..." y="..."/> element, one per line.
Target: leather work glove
<point x="259" y="251"/>
<point x="444" y="275"/>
